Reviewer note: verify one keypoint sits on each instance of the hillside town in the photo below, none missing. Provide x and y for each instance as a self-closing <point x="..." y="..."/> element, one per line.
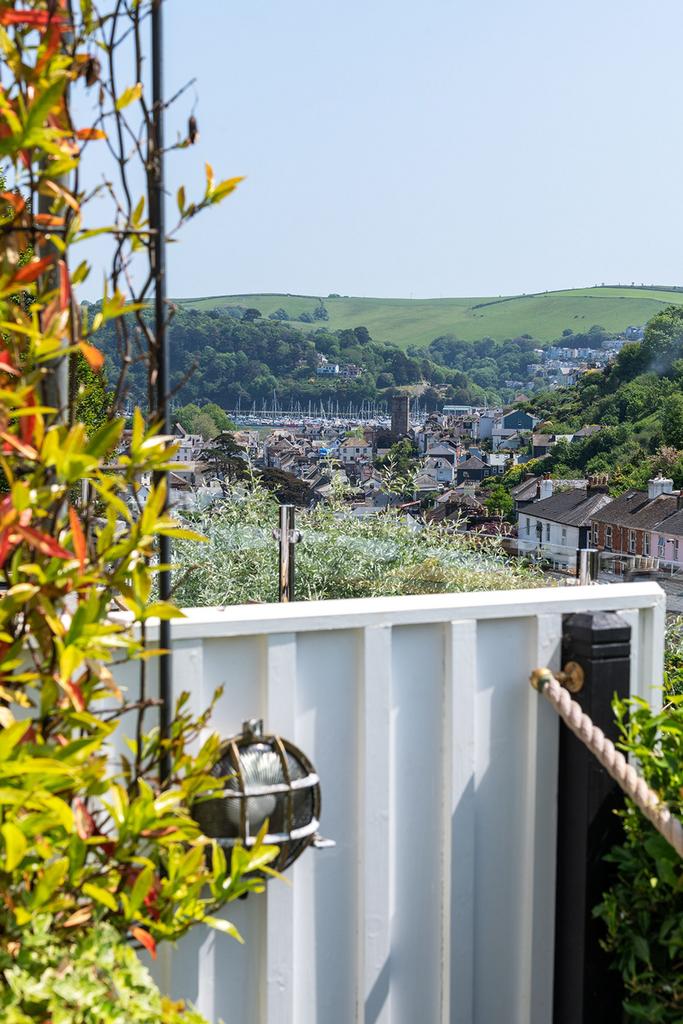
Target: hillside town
<point x="447" y="470"/>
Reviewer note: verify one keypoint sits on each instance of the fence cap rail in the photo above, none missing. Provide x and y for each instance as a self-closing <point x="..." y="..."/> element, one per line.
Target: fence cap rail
<point x="356" y="613"/>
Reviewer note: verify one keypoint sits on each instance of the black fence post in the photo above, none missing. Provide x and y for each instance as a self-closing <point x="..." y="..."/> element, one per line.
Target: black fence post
<point x="587" y="990"/>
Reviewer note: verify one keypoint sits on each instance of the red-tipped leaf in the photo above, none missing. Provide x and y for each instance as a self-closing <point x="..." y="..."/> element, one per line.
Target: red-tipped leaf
<point x="146" y="940"/>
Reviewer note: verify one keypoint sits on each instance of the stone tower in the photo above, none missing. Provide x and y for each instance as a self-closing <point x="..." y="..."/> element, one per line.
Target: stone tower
<point x="400" y="418"/>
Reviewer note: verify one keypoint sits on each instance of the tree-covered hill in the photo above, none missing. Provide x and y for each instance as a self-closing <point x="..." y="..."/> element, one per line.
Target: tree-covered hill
<point x="638" y="401"/>
<point x="408" y="322"/>
<point x="228" y="355"/>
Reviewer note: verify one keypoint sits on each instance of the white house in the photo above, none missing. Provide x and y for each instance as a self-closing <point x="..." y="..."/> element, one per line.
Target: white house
<point x="439" y="469"/>
<point x="355" y="449"/>
<point x="555" y="527"/>
<point x="442" y="450"/>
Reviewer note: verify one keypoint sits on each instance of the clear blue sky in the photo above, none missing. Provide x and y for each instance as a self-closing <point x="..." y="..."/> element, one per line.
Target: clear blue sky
<point x="434" y="148"/>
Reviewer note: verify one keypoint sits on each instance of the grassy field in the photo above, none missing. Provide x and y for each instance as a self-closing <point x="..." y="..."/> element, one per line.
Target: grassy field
<point x="419" y="321"/>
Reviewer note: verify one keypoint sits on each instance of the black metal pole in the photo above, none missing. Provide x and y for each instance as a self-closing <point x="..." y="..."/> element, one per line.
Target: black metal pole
<point x="162" y="411"/>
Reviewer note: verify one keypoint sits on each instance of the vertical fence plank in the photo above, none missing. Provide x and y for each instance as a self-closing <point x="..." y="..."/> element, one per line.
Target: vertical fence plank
<point x="634" y="619"/>
<point x="280" y="706"/>
<point x="537" y="904"/>
<point x="652" y="627"/>
<point x="458" y="823"/>
<point x="374" y="847"/>
<point x="190" y="677"/>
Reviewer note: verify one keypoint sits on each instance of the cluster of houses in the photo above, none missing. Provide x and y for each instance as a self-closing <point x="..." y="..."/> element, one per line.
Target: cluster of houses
<point x="561" y="365"/>
<point x="345" y="370"/>
<point x="554" y="367"/>
<point x="636" y="530"/>
<point x="457" y="452"/>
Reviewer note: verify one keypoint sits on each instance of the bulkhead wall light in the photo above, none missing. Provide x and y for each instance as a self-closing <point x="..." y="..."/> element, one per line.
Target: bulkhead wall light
<point x="266" y="778"/>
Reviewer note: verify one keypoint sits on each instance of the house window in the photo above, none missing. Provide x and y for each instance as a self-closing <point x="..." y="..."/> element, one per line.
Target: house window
<point x="564" y="536"/>
<point x="646" y="543"/>
<point x="661" y="547"/>
<point x="608" y="538"/>
<point x="675" y="550"/>
<point x="596" y="534"/>
<point x="632" y="540"/>
<point x="528" y="526"/>
<point x="547" y="531"/>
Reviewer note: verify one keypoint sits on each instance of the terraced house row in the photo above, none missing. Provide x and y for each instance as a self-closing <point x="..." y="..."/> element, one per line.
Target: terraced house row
<point x="636" y="525"/>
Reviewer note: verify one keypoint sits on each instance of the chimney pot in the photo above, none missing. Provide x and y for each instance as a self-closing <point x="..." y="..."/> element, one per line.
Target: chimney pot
<point x="546" y="487"/>
<point x="659" y="485"/>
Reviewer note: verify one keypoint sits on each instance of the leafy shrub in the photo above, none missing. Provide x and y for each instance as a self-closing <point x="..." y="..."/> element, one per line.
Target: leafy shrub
<point x="643" y="911"/>
<point x="94" y="979"/>
<point x="98" y="849"/>
<point x="340" y="556"/>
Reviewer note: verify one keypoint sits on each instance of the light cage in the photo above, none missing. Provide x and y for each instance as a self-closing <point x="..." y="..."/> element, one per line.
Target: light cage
<point x="266" y="778"/>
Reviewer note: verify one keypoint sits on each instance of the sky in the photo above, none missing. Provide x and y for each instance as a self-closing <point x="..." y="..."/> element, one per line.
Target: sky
<point x="432" y="148"/>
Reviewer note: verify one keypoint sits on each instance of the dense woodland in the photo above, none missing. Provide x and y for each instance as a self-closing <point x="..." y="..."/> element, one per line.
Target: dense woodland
<point x="638" y="400"/>
<point x="232" y="354"/>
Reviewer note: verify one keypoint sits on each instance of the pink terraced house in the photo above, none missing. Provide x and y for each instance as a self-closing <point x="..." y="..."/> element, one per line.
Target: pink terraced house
<point x="667" y="541"/>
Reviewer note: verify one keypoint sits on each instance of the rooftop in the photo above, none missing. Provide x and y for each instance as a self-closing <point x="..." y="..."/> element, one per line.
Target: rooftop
<point x="634" y="509"/>
<point x="571" y="508"/>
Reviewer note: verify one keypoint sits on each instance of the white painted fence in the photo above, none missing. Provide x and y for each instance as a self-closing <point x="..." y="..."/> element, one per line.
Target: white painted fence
<point x="438" y="768"/>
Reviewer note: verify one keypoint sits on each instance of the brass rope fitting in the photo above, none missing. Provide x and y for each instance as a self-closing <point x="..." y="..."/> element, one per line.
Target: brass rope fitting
<point x="572" y="677"/>
<point x="539" y="678"/>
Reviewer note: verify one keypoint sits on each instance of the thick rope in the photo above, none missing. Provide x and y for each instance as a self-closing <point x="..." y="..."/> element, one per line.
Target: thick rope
<point x="635" y="787"/>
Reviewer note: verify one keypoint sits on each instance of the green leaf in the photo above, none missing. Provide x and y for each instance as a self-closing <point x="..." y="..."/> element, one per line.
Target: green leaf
<point x="180" y="533"/>
<point x="15" y="845"/>
<point x="136" y="216"/>
<point x="11" y="736"/>
<point x="143" y="883"/>
<point x="101" y="895"/>
<point x="46" y="99"/>
<point x="224" y="189"/>
<point x="223" y="926"/>
<point x="641" y="947"/>
<point x="104" y="439"/>
<point x="129" y="95"/>
<point x="163" y="610"/>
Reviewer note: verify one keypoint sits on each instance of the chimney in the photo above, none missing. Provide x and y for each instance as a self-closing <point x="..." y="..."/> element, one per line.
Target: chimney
<point x="546" y="487"/>
<point x="598" y="483"/>
<point x="659" y="485"/>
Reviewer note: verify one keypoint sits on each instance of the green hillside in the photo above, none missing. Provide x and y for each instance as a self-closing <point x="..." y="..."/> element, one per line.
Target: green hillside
<point x="419" y="321"/>
<point x="638" y="403"/>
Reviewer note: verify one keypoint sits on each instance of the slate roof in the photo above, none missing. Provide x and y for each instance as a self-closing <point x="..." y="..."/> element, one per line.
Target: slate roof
<point x="587" y="431"/>
<point x="673" y="526"/>
<point x="441" y="447"/>
<point x="471" y="463"/>
<point x="526" y="490"/>
<point x="635" y="510"/>
<point x="570" y="508"/>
